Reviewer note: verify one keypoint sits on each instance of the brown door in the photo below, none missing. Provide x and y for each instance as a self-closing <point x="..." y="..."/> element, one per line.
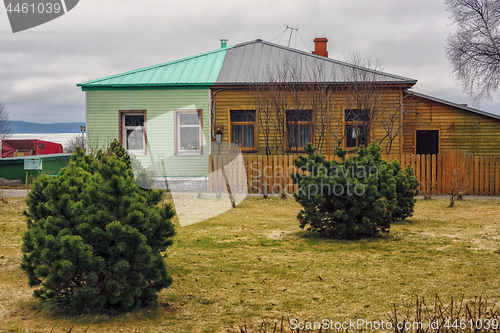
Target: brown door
<point x="427" y="142"/>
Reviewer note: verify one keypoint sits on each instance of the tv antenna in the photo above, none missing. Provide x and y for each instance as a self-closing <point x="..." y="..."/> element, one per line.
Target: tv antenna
<point x="291" y="32"/>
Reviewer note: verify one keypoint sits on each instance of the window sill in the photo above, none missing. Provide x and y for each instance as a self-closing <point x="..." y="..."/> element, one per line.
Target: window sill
<point x="189" y="153"/>
<point x="137" y="152"/>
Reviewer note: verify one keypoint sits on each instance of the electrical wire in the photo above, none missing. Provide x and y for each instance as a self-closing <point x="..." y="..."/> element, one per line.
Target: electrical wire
<point x="303" y="41"/>
<point x="281" y="34"/>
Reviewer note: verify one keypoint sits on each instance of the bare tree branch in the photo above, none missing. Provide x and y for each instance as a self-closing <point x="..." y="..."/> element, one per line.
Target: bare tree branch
<point x="474" y="49"/>
<point x="4" y="123"/>
<point x="369" y="103"/>
<point x="77" y="140"/>
<point x="359" y="100"/>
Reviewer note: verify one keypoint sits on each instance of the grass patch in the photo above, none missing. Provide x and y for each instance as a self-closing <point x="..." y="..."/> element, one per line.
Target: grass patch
<point x="254" y="261"/>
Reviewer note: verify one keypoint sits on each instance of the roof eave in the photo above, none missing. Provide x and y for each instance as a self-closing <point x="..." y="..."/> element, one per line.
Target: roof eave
<point x="407" y="84"/>
<point x="144" y="86"/>
<point x="458" y="106"/>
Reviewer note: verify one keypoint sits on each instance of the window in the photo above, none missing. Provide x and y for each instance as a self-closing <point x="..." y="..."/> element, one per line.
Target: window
<point x="356" y="127"/>
<point x="133" y="131"/>
<point x="299" y="127"/>
<point x="243" y="129"/>
<point x="188" y="132"/>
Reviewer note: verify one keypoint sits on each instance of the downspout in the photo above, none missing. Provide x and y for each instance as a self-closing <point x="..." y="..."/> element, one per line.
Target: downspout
<point x="86" y="124"/>
<point x="212" y="112"/>
<point x="401" y="124"/>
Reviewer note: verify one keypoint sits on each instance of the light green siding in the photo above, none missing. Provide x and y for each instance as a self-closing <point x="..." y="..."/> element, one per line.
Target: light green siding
<point x="103" y="124"/>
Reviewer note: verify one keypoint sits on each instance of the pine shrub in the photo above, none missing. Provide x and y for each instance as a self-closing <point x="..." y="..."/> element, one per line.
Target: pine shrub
<point x="95" y="240"/>
<point x="352" y="197"/>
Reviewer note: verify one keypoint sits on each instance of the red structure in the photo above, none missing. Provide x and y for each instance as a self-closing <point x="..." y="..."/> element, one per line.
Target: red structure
<point x="16" y="148"/>
<point x="320" y="47"/>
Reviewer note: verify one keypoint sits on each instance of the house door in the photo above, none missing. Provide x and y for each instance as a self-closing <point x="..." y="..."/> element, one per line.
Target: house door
<point x="427" y="142"/>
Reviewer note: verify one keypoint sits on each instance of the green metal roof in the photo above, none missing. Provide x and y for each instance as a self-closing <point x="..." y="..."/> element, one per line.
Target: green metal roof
<point x="201" y="69"/>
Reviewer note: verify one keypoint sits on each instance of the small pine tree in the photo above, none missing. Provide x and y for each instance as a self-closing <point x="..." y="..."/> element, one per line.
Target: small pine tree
<point x="406" y="191"/>
<point x="95" y="239"/>
<point x="353" y="197"/>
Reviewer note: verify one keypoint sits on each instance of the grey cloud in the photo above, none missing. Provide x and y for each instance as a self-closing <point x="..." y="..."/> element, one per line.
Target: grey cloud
<point x="40" y="68"/>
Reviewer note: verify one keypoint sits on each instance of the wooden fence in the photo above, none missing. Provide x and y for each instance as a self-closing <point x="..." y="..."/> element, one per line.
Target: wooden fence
<point x="438" y="174"/>
<point x="458" y="170"/>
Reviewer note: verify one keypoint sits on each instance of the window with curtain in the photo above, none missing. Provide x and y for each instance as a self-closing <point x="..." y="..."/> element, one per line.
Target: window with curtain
<point x="188" y="134"/>
<point x="133" y="131"/>
<point x="299" y="128"/>
<point x="243" y="129"/>
<point x="356" y="127"/>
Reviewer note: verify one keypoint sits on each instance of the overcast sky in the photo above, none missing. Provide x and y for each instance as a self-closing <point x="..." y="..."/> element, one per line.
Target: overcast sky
<point x="40" y="67"/>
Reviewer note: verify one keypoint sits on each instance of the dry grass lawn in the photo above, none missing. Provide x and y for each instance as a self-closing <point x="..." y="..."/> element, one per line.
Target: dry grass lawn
<point x="254" y="261"/>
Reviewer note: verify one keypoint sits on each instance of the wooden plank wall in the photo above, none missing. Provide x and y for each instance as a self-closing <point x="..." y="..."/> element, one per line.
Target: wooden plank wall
<point x="473" y="175"/>
<point x="427" y="115"/>
<point x="458" y="129"/>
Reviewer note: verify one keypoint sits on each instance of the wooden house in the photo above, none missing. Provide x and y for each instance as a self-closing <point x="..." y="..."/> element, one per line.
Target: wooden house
<point x="443" y="126"/>
<point x="268" y="99"/>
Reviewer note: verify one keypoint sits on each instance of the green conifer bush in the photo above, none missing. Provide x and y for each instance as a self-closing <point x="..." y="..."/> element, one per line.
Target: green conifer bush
<point x="95" y="239"/>
<point x="352" y="197"/>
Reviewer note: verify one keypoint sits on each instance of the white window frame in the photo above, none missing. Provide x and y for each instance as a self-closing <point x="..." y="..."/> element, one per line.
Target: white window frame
<point x="186" y="152"/>
<point x="125" y="128"/>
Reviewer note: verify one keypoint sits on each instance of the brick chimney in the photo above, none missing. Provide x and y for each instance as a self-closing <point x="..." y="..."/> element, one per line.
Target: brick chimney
<point x="320" y="47"/>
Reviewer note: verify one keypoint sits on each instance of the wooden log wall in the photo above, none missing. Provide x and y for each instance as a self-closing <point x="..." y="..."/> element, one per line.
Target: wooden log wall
<point x="327" y="136"/>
